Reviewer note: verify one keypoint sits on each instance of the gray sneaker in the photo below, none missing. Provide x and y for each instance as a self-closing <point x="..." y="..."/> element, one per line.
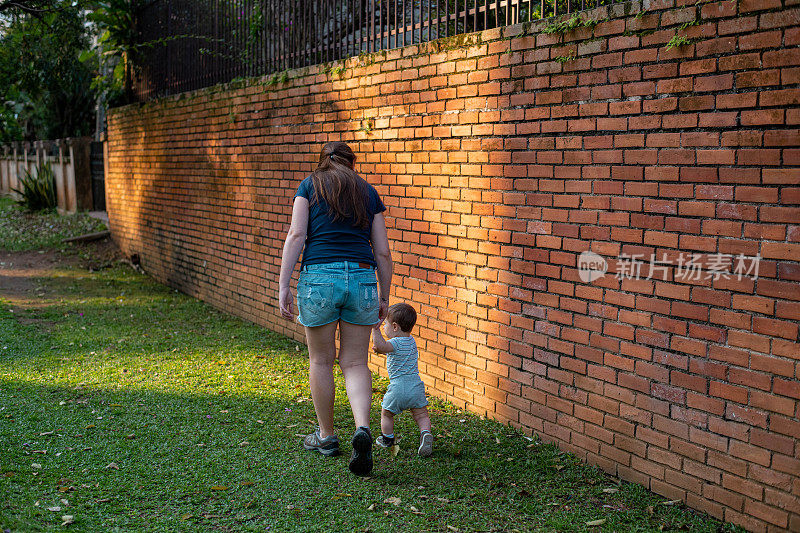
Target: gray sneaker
<point x="425" y="444"/>
<point x="329" y="446"/>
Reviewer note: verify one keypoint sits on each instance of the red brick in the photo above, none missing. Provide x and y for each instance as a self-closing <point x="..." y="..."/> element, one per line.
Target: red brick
<point x="785" y="97"/>
<point x="762" y="156"/>
<point x="787" y="17"/>
<point x="698" y="103"/>
<point x="670" y="394"/>
<point x="748" y="6"/>
<point x="777" y="328"/>
<point x="761" y="117"/>
<point x="716" y="46"/>
<point x="728" y="392"/>
<point x="758" y="78"/>
<point x="745" y="521"/>
<point x="786" y="388"/>
<point x="769" y="514"/>
<point x="778" y="289"/>
<point x="741" y="24"/>
<point x="747" y="452"/>
<point x="779" y="214"/>
<point x="713" y="83"/>
<point x="725" y="497"/>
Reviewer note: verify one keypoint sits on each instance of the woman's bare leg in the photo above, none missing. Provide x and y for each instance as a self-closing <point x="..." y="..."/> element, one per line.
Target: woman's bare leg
<point x="353" y="346"/>
<point x="321" y="354"/>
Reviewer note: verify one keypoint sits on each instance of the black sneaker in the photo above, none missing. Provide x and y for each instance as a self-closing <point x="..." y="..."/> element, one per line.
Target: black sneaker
<point x="361" y="460"/>
<point x="329" y="446"/>
<point x="385" y="442"/>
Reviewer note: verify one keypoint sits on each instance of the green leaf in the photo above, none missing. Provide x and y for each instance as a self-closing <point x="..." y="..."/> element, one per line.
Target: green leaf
<point x="38" y="190"/>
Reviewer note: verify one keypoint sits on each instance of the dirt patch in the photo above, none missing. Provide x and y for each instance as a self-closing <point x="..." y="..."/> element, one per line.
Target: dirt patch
<point x="101" y="254"/>
<point x="20" y="270"/>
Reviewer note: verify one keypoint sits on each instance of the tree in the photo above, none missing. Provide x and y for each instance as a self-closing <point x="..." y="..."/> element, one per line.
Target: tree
<point x="45" y="88"/>
<point x="116" y="25"/>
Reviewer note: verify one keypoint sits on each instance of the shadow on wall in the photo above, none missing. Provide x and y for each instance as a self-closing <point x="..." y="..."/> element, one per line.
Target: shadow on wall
<point x="164" y="203"/>
<point x="209" y="217"/>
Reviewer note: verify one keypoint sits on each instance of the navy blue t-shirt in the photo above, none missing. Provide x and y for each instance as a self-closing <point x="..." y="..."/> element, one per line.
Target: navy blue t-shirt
<point x="328" y="241"/>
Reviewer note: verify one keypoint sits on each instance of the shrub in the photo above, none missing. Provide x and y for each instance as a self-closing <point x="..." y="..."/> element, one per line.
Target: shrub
<point x="38" y="190"/>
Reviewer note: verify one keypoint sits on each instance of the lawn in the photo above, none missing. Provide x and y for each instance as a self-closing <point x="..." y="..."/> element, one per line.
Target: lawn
<point x="21" y="230"/>
<point x="127" y="406"/>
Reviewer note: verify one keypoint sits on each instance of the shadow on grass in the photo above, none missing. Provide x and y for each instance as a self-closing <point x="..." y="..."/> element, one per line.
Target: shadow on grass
<point x="142" y="459"/>
<point x="149" y="460"/>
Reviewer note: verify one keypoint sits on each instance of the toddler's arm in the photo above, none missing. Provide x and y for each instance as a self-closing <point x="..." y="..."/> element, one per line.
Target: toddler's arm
<point x="379" y="344"/>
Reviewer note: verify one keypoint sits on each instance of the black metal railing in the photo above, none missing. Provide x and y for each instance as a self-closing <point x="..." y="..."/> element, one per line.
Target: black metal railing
<point x="190" y="44"/>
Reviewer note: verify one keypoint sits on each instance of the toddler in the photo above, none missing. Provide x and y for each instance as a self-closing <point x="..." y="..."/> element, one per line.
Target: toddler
<point x="406" y="390"/>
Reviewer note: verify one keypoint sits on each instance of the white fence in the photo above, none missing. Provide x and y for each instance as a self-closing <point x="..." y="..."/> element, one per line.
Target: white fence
<point x="70" y="161"/>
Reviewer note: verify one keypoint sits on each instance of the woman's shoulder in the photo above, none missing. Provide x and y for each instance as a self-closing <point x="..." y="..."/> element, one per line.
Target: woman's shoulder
<point x="372" y="192"/>
<point x="364" y="182"/>
<point x="306" y="187"/>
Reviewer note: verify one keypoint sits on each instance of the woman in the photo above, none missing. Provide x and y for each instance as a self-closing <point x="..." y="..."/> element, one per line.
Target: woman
<point x="338" y="218"/>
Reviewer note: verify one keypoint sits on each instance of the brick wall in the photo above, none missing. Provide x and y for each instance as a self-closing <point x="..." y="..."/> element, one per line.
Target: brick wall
<point x="502" y="157"/>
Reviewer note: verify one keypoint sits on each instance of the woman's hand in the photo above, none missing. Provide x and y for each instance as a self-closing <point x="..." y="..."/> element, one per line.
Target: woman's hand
<point x="383" y="310"/>
<point x="286" y="302"/>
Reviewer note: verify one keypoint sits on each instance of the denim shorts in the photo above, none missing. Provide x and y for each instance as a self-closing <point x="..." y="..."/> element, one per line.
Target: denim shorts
<point x="337" y="291"/>
<point x="404" y="392"/>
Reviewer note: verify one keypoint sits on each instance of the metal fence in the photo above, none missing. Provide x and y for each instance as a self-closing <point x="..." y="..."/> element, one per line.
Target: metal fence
<point x="190" y="44"/>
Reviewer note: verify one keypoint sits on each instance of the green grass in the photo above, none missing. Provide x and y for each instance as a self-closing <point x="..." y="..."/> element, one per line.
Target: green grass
<point x="21" y="230"/>
<point x="202" y="413"/>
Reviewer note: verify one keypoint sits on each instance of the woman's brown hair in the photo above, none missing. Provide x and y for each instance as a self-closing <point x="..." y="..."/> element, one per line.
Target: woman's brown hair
<point x="336" y="182"/>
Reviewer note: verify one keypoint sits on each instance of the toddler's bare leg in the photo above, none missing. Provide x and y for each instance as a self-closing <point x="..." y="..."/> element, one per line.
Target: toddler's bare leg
<point x="387" y="422"/>
<point x="421" y="417"/>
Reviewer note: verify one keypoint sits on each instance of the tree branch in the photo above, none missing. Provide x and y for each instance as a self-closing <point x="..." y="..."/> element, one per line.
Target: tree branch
<point x="32" y="7"/>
